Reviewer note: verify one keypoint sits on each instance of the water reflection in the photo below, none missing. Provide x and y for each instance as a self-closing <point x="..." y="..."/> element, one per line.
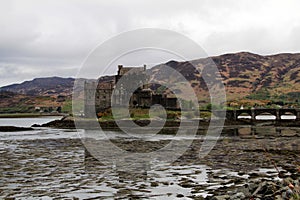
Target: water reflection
<point x="268" y="117"/>
<point x="288" y="117"/>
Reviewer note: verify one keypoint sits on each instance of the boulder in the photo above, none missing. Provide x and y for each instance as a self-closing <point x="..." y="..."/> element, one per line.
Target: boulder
<point x="222" y="197"/>
<point x="238" y="196"/>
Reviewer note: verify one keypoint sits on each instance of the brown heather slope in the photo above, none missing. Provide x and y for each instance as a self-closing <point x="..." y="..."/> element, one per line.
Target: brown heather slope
<point x="21" y="103"/>
<point x="245" y="73"/>
<point x="242" y="73"/>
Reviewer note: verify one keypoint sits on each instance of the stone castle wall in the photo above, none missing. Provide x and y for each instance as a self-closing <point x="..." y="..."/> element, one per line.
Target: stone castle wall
<point x="99" y="97"/>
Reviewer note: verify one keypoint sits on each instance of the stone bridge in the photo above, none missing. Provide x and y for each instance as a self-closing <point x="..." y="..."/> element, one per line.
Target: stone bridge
<point x="234" y="114"/>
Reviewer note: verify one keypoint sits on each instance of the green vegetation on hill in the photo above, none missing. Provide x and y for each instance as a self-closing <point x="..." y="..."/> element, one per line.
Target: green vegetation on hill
<point x="17" y="109"/>
<point x="67" y="107"/>
<point x="262" y="94"/>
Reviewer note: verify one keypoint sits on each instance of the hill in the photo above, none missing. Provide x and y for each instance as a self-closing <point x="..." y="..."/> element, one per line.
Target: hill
<point x="50" y="86"/>
<point x="247" y="78"/>
<point x="245" y="75"/>
<point x="40" y="94"/>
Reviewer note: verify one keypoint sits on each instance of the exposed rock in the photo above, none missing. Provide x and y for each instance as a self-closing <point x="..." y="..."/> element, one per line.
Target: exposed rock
<point x="59" y="124"/>
<point x="154" y="184"/>
<point x="238" y="196"/>
<point x="222" y="197"/>
<point x="278" y="197"/>
<point x="179" y="195"/>
<point x="14" y="128"/>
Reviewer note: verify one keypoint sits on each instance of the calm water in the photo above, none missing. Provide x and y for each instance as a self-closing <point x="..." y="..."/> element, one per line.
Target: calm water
<point x="27" y="122"/>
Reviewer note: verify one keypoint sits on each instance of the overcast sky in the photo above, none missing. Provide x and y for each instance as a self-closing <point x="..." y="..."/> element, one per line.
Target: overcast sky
<point x="47" y="38"/>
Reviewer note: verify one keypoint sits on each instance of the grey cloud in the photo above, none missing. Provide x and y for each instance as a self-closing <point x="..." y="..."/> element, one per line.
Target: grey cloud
<point x="294" y="36"/>
<point x="60" y="34"/>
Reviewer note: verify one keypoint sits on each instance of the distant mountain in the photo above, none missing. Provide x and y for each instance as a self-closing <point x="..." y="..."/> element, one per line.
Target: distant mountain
<point x="50" y="86"/>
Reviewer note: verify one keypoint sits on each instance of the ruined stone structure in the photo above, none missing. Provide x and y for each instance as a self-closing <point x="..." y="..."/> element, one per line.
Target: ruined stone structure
<point x="101" y="96"/>
<point x="96" y="97"/>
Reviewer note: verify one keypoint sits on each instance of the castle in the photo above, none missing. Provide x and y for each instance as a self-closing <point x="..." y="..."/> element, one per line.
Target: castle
<point x="106" y="94"/>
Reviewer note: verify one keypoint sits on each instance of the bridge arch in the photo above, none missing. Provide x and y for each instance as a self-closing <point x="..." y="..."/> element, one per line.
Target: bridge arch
<point x="244" y="115"/>
<point x="266" y="116"/>
<point x="288" y="114"/>
<point x="272" y="114"/>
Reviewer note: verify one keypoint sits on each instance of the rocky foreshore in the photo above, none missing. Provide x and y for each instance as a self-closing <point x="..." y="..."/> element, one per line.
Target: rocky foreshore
<point x="252" y="168"/>
<point x="236" y="168"/>
<point x="69" y="122"/>
<point x="243" y="154"/>
<point x="284" y="189"/>
<point x="63" y="124"/>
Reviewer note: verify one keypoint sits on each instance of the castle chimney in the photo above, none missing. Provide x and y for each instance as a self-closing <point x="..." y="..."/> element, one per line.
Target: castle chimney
<point x="119" y="68"/>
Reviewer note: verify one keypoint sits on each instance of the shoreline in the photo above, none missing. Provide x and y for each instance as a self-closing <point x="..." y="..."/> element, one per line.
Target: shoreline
<point x="29" y="115"/>
<point x="71" y="123"/>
